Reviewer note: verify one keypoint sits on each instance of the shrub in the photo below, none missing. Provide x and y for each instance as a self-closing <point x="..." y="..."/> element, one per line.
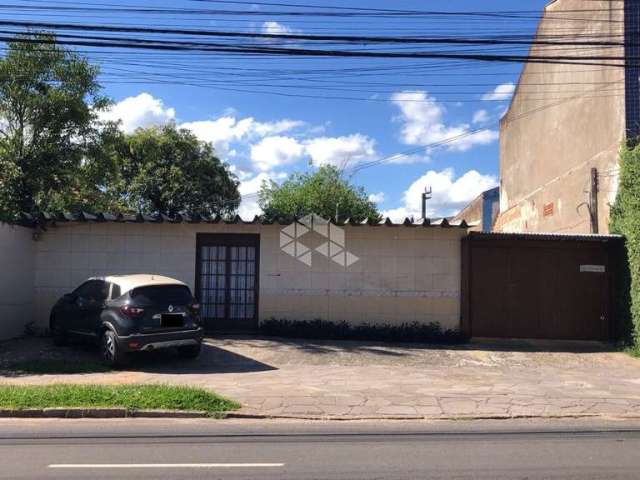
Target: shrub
<point x="325" y="330"/>
<point x="625" y="220"/>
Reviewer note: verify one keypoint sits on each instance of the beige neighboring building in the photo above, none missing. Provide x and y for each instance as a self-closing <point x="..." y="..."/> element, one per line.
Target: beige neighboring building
<point x="243" y="272"/>
<point x="560" y="138"/>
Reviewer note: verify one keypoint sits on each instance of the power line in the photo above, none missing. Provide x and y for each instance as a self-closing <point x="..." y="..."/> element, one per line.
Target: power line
<point x="144" y="44"/>
<point x="324" y="12"/>
<point x="316" y="38"/>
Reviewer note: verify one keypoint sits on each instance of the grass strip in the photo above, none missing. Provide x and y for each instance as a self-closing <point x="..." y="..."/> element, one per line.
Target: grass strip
<point x="131" y="397"/>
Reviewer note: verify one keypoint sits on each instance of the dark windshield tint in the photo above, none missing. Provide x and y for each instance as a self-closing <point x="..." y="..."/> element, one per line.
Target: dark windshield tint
<point x="162" y="294"/>
<point x="93" y="290"/>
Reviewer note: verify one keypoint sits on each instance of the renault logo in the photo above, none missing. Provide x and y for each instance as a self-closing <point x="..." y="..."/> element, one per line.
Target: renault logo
<point x="170" y="308"/>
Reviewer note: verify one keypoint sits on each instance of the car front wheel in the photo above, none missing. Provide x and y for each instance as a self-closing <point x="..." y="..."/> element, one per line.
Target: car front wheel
<point x="58" y="333"/>
<point x="111" y="353"/>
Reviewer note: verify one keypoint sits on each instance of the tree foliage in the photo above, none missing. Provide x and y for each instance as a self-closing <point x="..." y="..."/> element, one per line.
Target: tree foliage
<point x="625" y="220"/>
<point x="323" y="192"/>
<point x="56" y="154"/>
<point x="169" y="171"/>
<point x="49" y="101"/>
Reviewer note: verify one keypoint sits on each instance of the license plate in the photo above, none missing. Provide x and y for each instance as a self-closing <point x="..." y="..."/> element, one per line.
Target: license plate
<point x="171" y="320"/>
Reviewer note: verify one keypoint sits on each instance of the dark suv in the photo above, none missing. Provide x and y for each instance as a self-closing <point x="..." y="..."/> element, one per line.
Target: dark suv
<point x="130" y="313"/>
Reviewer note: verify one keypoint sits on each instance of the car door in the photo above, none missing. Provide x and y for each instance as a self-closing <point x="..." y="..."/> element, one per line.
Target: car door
<point x="91" y="305"/>
<point x="71" y="310"/>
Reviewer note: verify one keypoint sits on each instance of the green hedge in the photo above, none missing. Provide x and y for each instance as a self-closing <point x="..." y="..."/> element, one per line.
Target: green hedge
<point x="625" y="220"/>
<point x="325" y="330"/>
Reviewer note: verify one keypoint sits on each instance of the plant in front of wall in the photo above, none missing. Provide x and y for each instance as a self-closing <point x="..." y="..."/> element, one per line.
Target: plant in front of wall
<point x="326" y="330"/>
<point x="625" y="220"/>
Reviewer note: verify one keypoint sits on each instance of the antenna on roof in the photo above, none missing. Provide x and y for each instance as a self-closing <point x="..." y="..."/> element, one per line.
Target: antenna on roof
<point x="426" y="195"/>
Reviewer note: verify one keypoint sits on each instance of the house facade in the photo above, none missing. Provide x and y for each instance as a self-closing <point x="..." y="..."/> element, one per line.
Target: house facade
<point x="243" y="272"/>
<point x="560" y="138"/>
<point x="376" y="273"/>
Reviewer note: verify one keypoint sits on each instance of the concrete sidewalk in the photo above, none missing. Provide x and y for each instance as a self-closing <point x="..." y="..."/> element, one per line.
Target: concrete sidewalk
<point x="347" y="380"/>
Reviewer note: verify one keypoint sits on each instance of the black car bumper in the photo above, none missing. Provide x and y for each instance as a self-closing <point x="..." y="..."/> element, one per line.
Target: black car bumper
<point x="153" y="341"/>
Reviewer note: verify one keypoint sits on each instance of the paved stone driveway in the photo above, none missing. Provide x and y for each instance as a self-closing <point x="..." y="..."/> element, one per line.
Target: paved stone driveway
<point x="364" y="379"/>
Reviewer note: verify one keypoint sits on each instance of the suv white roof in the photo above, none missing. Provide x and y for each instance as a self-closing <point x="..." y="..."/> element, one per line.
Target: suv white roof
<point x="129" y="282"/>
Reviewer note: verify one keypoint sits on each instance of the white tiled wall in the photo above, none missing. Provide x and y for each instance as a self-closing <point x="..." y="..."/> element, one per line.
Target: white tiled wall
<point x="16" y="280"/>
<point x="403" y="275"/>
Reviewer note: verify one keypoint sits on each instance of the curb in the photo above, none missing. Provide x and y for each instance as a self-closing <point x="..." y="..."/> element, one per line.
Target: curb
<point x="102" y="413"/>
<point x="338" y="418"/>
<point x="124" y="413"/>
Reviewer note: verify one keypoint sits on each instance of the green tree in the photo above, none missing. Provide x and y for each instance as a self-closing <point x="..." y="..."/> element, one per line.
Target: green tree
<point x="625" y="220"/>
<point x="323" y="192"/>
<point x="169" y="171"/>
<point x="49" y="102"/>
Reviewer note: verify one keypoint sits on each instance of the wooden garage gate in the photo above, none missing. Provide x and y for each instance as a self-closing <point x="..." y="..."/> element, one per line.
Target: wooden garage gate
<point x="538" y="286"/>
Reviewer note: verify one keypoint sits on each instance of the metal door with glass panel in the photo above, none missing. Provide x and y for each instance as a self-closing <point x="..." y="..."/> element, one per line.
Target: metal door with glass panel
<point x="227" y="281"/>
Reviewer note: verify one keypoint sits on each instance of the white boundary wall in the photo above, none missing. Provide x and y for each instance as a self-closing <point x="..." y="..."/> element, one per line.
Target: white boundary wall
<point x="16" y="279"/>
<point x="404" y="274"/>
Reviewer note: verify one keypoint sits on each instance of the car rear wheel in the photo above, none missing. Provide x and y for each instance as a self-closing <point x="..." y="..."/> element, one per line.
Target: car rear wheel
<point x="58" y="333"/>
<point x="110" y="351"/>
<point x="190" y="351"/>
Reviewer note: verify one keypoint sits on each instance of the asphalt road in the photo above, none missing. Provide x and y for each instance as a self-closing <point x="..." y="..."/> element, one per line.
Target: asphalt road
<point x="161" y="449"/>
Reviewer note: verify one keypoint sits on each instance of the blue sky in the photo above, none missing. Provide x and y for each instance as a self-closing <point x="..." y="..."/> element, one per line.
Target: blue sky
<point x="268" y="117"/>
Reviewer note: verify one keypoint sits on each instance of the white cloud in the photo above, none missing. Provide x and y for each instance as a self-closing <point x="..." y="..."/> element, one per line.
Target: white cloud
<point x="252" y="185"/>
<point x="225" y="130"/>
<point x="248" y="190"/>
<point x="449" y="194"/>
<point x="220" y="132"/>
<point x="338" y="151"/>
<point x="261" y="146"/>
<point x="423" y="124"/>
<point x="481" y="116"/>
<point x="399" y="214"/>
<point x="501" y="92"/>
<point x="142" y="110"/>
<point x="276" y="151"/>
<point x="145" y="110"/>
<point x="275" y="28"/>
<point x="377" y="197"/>
<point x="276" y="128"/>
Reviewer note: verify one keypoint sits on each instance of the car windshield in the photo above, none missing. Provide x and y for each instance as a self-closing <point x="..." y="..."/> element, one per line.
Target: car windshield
<point x="162" y="294"/>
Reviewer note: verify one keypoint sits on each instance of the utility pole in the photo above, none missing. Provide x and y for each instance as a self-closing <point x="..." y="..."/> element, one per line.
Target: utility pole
<point x="593" y="201"/>
<point x="426" y="195"/>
